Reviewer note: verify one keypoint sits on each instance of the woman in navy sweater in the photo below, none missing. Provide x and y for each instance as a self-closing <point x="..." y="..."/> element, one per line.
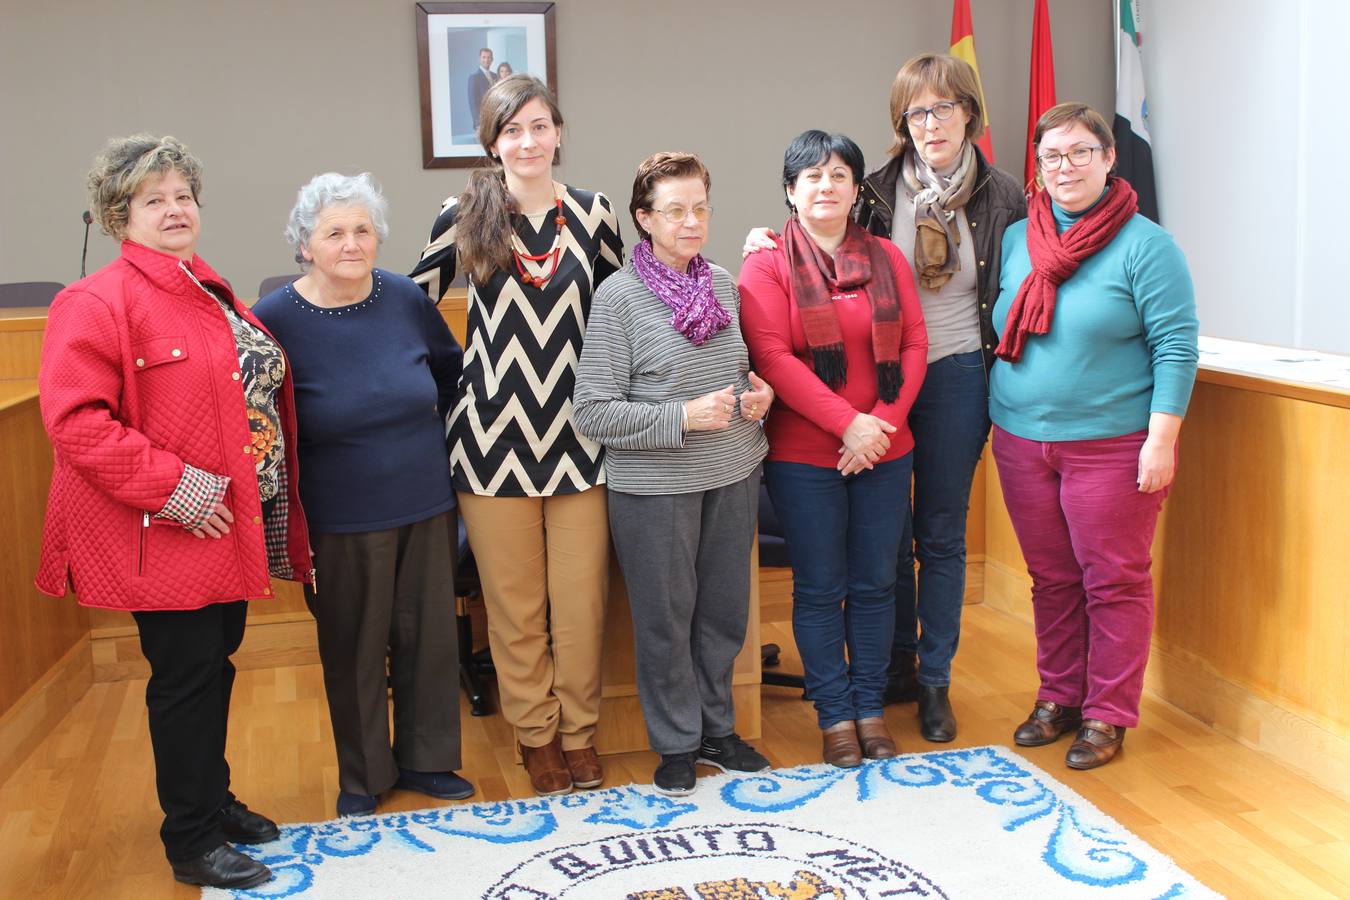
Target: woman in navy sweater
<point x="376" y="370"/>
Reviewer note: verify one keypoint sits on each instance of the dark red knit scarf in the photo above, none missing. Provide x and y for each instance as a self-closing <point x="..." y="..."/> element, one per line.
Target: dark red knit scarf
<point x="1055" y="257"/>
<point x="860" y="261"/>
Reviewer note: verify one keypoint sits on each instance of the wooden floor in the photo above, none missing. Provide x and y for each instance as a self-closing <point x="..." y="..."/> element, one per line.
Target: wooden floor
<point x="80" y="818"/>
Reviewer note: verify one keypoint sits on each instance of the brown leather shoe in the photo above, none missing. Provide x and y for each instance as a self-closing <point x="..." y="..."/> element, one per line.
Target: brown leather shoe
<point x="875" y="740"/>
<point x="1097" y="744"/>
<point x="548" y="770"/>
<point x="584" y="764"/>
<point x="841" y="745"/>
<point x="1047" y="722"/>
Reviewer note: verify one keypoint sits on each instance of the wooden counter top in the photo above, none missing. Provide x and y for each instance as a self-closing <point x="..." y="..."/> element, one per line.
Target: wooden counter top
<point x="21" y="318"/>
<point x="1278" y="371"/>
<point x="16" y="392"/>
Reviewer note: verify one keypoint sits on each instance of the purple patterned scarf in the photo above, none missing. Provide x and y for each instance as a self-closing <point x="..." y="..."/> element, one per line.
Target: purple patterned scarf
<point x="696" y="313"/>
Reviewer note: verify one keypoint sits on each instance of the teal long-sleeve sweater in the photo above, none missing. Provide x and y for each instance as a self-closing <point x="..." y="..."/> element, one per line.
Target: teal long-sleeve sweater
<point x="1122" y="343"/>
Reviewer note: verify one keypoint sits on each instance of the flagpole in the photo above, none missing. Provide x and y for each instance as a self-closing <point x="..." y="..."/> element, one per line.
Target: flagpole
<point x="1115" y="28"/>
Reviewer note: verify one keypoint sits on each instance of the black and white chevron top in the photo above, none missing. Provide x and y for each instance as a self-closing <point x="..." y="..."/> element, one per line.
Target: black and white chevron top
<point x="510" y="433"/>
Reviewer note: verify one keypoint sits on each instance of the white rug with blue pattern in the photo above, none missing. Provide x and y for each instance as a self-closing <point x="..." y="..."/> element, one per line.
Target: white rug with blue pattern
<point x="981" y="822"/>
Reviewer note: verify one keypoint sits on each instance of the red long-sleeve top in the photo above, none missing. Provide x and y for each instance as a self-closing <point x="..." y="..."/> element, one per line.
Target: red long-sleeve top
<point x="808" y="419"/>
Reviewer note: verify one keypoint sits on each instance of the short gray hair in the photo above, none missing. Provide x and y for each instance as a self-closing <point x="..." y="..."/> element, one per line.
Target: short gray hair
<point x="332" y="189"/>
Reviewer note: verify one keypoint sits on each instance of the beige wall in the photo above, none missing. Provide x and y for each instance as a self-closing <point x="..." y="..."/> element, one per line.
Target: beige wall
<point x="269" y="93"/>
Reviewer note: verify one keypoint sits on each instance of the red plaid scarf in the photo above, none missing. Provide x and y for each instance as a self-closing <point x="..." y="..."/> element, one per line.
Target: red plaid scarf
<point x="814" y="279"/>
<point x="1055" y="257"/>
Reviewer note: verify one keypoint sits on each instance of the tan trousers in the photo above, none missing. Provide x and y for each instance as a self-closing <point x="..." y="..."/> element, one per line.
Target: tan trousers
<point x="542" y="561"/>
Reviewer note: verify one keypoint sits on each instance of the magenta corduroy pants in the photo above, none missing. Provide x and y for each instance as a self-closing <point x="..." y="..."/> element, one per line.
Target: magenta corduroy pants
<point x="1086" y="533"/>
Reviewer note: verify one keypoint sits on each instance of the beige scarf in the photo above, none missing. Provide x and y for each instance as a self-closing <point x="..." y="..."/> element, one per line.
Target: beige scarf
<point x="936" y="200"/>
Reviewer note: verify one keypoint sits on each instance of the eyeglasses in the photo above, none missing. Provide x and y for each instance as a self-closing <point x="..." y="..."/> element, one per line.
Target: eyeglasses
<point x="1077" y="157"/>
<point x="918" y="117"/>
<point x="675" y="213"/>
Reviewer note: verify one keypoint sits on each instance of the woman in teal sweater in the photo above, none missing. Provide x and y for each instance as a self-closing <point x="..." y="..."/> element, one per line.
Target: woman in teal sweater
<point x="1097" y="356"/>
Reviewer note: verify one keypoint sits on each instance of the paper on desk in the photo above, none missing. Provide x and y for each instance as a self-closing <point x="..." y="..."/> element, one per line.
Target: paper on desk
<point x="1283" y="363"/>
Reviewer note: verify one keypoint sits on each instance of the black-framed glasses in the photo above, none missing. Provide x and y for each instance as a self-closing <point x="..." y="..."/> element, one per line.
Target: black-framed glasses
<point x="1077" y="157"/>
<point x="675" y="213"/>
<point x="918" y="116"/>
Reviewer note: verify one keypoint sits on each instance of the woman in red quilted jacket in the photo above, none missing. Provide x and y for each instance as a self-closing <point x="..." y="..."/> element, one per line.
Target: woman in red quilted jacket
<point x="170" y="411"/>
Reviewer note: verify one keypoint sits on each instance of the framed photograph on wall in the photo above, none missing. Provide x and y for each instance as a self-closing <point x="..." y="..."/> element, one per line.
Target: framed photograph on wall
<point x="462" y="49"/>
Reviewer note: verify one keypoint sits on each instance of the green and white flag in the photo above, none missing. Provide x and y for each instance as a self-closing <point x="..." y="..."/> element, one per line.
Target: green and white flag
<point x="1134" y="153"/>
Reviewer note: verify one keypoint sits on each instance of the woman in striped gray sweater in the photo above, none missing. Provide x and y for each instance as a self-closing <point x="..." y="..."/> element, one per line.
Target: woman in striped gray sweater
<point x="664" y="383"/>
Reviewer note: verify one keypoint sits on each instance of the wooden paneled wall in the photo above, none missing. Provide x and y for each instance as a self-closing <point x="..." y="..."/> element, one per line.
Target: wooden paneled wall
<point x="1253" y="601"/>
<point x="21" y="331"/>
<point x="44" y="652"/>
<point x="1250" y="558"/>
<point x="35" y="630"/>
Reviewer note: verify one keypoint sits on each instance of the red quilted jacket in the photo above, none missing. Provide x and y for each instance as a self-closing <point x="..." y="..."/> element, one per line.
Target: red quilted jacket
<point x="140" y="374"/>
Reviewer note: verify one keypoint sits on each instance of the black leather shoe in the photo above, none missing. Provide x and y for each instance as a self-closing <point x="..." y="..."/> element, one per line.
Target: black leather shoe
<point x="902" y="684"/>
<point x="223" y="867"/>
<point x="243" y="826"/>
<point x="937" y="722"/>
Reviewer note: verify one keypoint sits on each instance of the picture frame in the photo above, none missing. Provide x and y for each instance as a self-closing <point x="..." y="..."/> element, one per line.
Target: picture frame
<point x="453" y="42"/>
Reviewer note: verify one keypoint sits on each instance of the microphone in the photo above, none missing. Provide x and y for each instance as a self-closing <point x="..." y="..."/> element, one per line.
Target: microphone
<point x="84" y="254"/>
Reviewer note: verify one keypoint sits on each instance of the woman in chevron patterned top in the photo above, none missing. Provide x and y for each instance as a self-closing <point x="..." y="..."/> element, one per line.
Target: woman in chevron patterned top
<point x="530" y="487"/>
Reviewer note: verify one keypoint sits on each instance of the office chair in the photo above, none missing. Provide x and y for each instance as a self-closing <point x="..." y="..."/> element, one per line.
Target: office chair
<point x="474" y="666"/>
<point x="773" y="552"/>
<point x="28" y="293"/>
<point x="272" y="282"/>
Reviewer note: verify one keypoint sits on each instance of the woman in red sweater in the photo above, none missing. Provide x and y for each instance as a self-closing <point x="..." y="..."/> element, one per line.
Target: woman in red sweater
<point x="833" y="322"/>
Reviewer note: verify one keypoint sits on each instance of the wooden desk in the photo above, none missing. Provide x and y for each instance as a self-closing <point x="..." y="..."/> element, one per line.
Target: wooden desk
<point x="44" y="651"/>
<point x="22" y="312"/>
<point x="35" y="630"/>
<point x="21" y="330"/>
<point x="454" y="307"/>
<point x="1252" y="596"/>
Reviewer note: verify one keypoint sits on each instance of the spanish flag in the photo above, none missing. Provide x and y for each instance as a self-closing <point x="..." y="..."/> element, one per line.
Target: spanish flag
<point x="963" y="48"/>
<point x="1041" y="94"/>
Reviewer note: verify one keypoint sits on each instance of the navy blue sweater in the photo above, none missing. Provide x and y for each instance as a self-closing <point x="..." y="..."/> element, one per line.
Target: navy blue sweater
<point x="373" y="384"/>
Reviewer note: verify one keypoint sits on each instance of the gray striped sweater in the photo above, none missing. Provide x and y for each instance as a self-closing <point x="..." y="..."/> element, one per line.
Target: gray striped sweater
<point x="635" y="374"/>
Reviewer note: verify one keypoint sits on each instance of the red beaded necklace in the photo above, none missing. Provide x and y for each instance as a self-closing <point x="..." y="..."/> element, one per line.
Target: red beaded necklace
<point x="555" y="251"/>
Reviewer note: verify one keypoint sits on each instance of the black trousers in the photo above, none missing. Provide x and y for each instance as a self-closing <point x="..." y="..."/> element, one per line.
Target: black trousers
<point x="389" y="595"/>
<point x="188" y="697"/>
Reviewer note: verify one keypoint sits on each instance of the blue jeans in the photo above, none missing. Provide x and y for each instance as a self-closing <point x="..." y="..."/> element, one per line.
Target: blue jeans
<point x="950" y="422"/>
<point x="843" y="535"/>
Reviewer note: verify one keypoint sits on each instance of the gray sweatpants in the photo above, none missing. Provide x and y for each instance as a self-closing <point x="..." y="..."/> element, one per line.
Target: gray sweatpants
<point x="686" y="562"/>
